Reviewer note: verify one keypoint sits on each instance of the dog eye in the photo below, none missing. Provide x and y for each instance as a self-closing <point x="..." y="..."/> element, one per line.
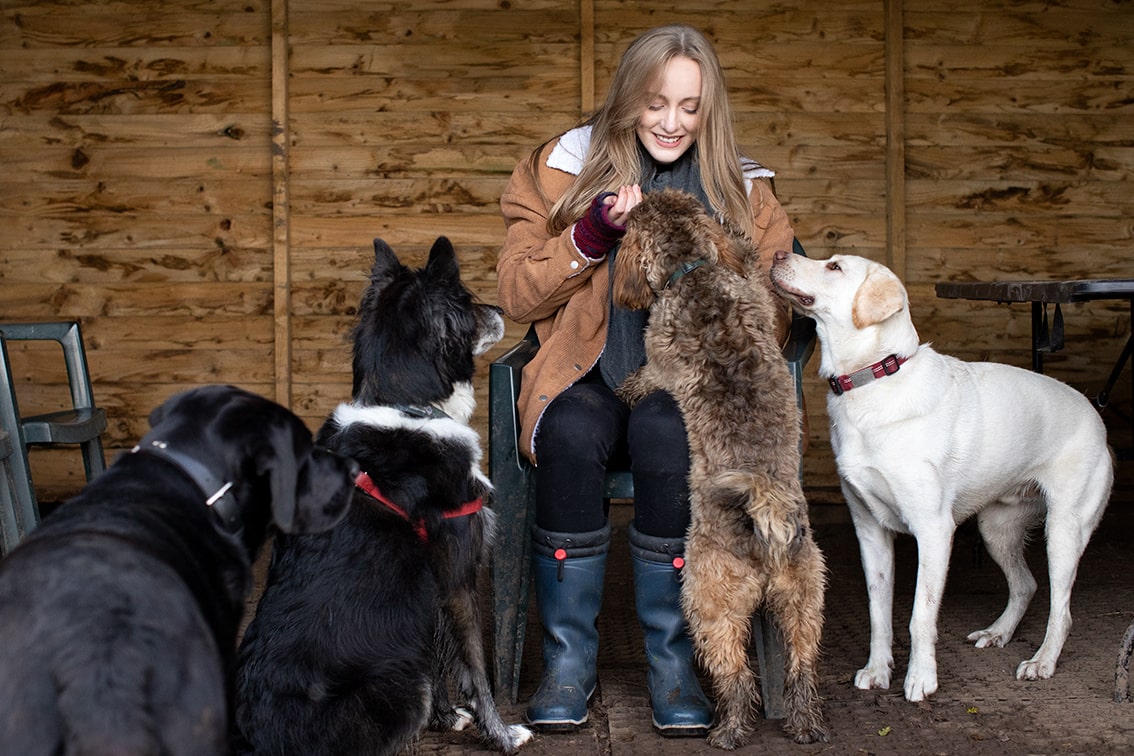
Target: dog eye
<point x="833" y="266"/>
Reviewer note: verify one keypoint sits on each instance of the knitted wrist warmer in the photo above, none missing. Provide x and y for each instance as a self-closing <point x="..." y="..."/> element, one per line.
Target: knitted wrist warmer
<point x="594" y="234"/>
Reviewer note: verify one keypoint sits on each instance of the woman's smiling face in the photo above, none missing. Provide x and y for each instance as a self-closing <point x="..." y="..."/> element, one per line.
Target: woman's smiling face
<point x="668" y="126"/>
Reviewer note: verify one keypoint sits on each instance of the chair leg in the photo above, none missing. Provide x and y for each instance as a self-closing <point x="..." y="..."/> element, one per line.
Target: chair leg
<point x="770" y="654"/>
<point x="511" y="580"/>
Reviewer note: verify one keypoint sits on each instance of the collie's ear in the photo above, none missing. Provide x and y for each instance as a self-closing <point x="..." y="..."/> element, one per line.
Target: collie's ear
<point x="384" y="256"/>
<point x="630" y="288"/>
<point x="442" y="262"/>
<point x="879" y="296"/>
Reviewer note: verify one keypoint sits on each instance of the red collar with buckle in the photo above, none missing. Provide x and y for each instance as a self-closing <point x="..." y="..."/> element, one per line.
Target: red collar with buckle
<point x="367" y="486"/>
<point x="884" y="367"/>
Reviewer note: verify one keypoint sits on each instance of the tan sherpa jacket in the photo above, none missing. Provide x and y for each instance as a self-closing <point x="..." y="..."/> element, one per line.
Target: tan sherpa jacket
<point x="566" y="295"/>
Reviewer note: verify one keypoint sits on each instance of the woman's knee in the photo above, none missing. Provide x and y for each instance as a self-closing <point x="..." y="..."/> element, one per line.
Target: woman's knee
<point x="657" y="427"/>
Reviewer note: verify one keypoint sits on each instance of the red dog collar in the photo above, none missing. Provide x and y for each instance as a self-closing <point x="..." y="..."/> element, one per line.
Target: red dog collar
<point x="366" y="485"/>
<point x="884" y="367"/>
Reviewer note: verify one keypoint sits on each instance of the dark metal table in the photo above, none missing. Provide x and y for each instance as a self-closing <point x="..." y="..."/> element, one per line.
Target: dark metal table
<point x="1048" y="337"/>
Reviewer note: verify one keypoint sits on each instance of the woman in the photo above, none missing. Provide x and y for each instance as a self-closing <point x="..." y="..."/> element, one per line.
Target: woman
<point x="665" y="122"/>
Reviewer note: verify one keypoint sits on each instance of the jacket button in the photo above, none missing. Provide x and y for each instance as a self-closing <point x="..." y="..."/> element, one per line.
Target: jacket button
<point x="574" y="265"/>
<point x="543" y="397"/>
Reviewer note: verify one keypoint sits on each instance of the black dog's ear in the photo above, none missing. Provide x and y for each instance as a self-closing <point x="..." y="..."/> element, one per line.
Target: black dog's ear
<point x="443" y="261"/>
<point x="168" y="407"/>
<point x="310" y="492"/>
<point x="279" y="463"/>
<point x="384" y="257"/>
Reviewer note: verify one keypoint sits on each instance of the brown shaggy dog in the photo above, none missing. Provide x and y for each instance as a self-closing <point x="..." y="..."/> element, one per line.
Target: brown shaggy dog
<point x="711" y="344"/>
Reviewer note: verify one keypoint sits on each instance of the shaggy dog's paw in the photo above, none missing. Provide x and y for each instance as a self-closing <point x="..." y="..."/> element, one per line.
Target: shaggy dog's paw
<point x="634" y="388"/>
<point x="813" y="734"/>
<point x="728" y="738"/>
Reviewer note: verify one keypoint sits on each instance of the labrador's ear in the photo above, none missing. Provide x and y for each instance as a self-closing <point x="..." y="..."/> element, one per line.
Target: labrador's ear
<point x="631" y="288"/>
<point x="311" y="486"/>
<point x="278" y="461"/>
<point x="880" y="296"/>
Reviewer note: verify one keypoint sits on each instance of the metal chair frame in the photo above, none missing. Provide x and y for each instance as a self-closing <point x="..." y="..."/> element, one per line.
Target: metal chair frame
<point x="82" y="424"/>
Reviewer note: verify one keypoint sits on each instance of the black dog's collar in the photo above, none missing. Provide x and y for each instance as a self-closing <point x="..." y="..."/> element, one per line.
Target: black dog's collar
<point x="424" y="413"/>
<point x="218" y="492"/>
<point x="686" y="267"/>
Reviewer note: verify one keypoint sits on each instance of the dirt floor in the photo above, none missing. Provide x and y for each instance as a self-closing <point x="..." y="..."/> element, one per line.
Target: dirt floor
<point x="980" y="708"/>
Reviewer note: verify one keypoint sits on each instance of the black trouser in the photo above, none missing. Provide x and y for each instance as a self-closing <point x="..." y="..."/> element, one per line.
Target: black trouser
<point x="588" y="426"/>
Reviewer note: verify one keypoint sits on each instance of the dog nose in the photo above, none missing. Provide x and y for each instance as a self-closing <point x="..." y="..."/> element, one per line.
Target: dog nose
<point x="780" y="255"/>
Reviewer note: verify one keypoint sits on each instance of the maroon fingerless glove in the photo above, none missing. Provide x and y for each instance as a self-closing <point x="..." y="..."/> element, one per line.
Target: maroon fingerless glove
<point x="594" y="234"/>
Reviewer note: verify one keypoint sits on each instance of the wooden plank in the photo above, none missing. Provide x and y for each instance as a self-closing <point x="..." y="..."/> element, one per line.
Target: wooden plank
<point x="1033" y="233"/>
<point x="118" y="64"/>
<point x="128" y="266"/>
<point x="206" y="194"/>
<point x="969" y="129"/>
<point x="140" y="161"/>
<point x="1107" y="199"/>
<point x="519" y="95"/>
<point x="1082" y="161"/>
<point x="1047" y="62"/>
<point x="281" y="199"/>
<point x="587" y="103"/>
<point x="1053" y="26"/>
<point x="93" y="25"/>
<point x="354" y="196"/>
<point x="1061" y="262"/>
<point x="485" y="26"/>
<point x="243" y="234"/>
<point x="180" y="96"/>
<point x="49" y="301"/>
<point x="1003" y="95"/>
<point x="402" y="126"/>
<point x="22" y="133"/>
<point x="895" y="137"/>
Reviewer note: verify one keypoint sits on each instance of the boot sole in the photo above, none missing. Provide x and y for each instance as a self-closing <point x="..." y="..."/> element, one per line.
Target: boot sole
<point x="559" y="725"/>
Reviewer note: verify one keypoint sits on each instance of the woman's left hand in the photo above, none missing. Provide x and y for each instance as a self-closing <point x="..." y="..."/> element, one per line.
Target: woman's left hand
<point x="621" y="204"/>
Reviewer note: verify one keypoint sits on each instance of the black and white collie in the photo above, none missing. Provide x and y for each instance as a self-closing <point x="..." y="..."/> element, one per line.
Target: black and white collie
<point x="359" y="630"/>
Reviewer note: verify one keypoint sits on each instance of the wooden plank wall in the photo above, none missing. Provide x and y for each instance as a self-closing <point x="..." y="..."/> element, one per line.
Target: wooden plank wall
<point x="199" y="181"/>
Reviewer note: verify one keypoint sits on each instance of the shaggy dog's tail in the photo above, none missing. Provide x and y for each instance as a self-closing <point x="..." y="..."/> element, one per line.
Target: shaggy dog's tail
<point x="778" y="513"/>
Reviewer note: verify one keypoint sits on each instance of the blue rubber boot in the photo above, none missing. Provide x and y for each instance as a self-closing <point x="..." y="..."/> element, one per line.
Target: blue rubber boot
<point x="680" y="707"/>
<point x="568" y="570"/>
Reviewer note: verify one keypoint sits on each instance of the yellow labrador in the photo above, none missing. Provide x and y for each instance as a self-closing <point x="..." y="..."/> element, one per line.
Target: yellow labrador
<point x="923" y="441"/>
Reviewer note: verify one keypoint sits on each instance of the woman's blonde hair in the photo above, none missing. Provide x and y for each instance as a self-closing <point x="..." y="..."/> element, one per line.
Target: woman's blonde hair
<point x="612" y="158"/>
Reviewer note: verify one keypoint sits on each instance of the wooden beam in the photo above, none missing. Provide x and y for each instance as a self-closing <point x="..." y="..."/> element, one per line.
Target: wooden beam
<point x="281" y="269"/>
<point x="895" y="139"/>
<point x="587" y="56"/>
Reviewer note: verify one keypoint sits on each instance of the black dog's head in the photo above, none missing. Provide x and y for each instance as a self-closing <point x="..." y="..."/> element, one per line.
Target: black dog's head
<point x="266" y="452"/>
<point x="418" y="333"/>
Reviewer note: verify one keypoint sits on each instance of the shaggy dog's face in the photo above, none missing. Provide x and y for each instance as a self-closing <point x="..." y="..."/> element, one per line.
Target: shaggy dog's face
<point x="667" y="230"/>
<point x="419" y="330"/>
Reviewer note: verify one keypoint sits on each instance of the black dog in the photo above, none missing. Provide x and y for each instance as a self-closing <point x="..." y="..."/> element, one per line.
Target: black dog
<point x="359" y="628"/>
<point x="119" y="613"/>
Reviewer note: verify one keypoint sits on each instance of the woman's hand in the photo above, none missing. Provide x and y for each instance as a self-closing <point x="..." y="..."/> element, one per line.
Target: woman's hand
<point x="622" y="203"/>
